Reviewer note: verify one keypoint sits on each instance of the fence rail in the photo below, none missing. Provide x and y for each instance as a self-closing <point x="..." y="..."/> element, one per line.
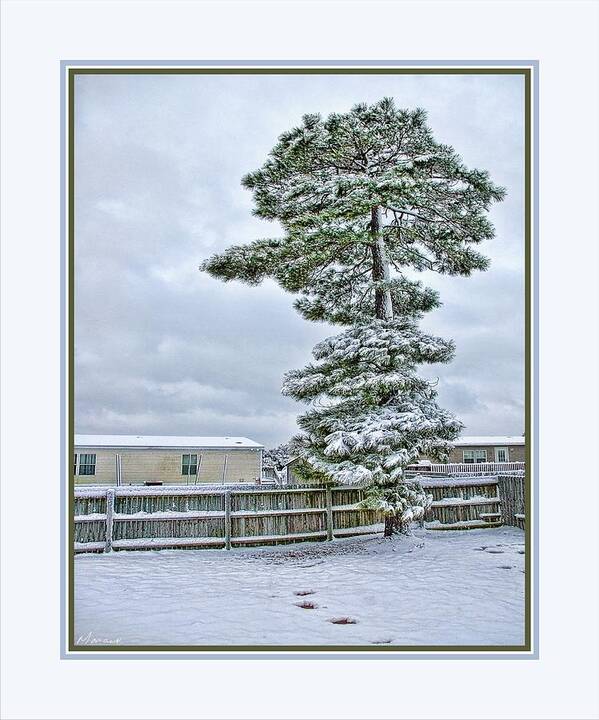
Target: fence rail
<point x="469" y="468"/>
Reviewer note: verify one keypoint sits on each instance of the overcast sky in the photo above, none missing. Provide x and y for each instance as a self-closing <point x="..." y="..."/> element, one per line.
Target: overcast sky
<point x="161" y="348"/>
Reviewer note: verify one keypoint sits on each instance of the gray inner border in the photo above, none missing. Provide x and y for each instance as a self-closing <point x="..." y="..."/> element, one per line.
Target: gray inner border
<point x="534" y="366"/>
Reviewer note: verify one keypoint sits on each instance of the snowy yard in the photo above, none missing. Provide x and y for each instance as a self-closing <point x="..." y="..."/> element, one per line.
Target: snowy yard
<point x="434" y="588"/>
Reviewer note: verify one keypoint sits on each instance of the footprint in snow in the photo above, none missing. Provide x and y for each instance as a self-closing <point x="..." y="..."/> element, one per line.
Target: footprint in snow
<point x="301" y="593"/>
<point x="505" y="567"/>
<point x="343" y="621"/>
<point x="307" y="605"/>
<point x="381" y="642"/>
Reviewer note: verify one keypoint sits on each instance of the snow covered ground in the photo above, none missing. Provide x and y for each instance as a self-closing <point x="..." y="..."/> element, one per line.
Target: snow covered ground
<point x="434" y="588"/>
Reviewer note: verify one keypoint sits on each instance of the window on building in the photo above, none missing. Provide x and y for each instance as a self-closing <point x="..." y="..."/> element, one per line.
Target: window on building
<point x="189" y="464"/>
<point x="475" y="456"/>
<point x="86" y="464"/>
<point x="502" y="455"/>
<point x="75" y="465"/>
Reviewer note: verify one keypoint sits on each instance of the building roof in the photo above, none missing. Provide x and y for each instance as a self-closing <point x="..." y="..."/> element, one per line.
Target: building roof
<point x="163" y="442"/>
<point x="467" y="440"/>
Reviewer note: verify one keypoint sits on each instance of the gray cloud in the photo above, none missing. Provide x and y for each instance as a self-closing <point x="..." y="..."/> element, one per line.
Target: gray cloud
<point x="163" y="348"/>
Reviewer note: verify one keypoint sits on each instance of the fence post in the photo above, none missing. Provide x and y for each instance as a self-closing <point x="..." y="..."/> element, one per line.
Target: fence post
<point x="110" y="493"/>
<point x="329" y="504"/>
<point x="227" y="520"/>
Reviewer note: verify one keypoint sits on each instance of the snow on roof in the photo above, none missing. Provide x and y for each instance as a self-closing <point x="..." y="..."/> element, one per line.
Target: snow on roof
<point x="489" y="440"/>
<point x="163" y="441"/>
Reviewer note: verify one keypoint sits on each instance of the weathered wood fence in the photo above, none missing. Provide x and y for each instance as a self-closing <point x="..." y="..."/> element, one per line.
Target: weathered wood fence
<point x="142" y="518"/>
<point x="475" y="501"/>
<point x="511" y="490"/>
<point x="138" y="518"/>
<point x="463" y="504"/>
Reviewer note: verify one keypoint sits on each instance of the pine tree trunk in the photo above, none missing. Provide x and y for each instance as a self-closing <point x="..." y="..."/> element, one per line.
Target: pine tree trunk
<point x="383" y="306"/>
<point x="392" y="525"/>
<point x="380" y="266"/>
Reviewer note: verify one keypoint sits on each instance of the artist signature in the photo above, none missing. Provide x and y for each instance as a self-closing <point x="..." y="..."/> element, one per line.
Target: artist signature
<point x="91" y="639"/>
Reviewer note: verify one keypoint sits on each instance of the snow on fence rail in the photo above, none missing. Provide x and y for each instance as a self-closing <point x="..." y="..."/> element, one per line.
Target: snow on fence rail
<point x="182" y="517"/>
<point x="482" y="473"/>
<point x="468" y="468"/>
<point x="462" y="503"/>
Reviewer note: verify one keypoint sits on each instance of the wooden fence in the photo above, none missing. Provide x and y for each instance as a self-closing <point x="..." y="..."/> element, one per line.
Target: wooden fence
<point x="463" y="503"/>
<point x="139" y="518"/>
<point x="511" y="490"/>
<point x="475" y="501"/>
<point x="142" y="518"/>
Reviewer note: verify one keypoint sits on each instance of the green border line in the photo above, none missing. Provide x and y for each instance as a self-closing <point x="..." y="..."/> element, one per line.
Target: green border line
<point x="526" y="72"/>
<point x="298" y="71"/>
<point x="71" y="352"/>
<point x="527" y="356"/>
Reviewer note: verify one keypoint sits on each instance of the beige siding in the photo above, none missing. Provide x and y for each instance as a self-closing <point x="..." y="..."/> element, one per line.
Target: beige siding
<point x="105" y="468"/>
<point x="242" y="466"/>
<point x="212" y="466"/>
<point x="140" y="466"/>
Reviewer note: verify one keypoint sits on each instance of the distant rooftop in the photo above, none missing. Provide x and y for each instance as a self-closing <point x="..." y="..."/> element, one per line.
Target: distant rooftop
<point x="489" y="440"/>
<point x="163" y="441"/>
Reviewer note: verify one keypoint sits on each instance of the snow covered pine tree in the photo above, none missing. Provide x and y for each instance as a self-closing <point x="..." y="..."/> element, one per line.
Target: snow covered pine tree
<point x="363" y="197"/>
<point x="276" y="459"/>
